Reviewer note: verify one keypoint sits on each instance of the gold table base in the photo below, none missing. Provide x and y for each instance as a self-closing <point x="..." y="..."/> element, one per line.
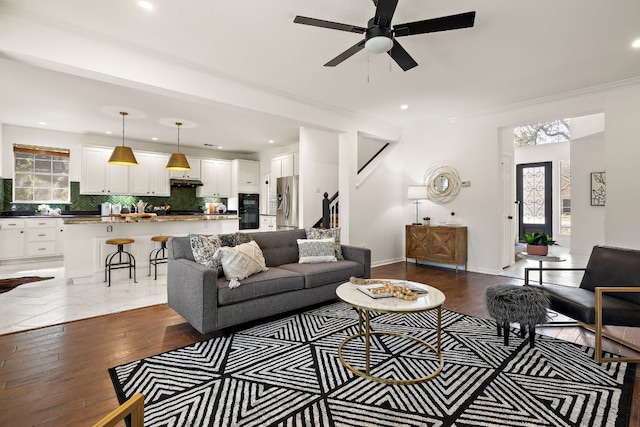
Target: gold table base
<point x="367" y="339"/>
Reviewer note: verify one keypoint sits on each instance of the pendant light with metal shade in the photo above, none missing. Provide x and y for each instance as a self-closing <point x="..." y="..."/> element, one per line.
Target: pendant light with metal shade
<point x="178" y="162"/>
<point x="123" y="155"/>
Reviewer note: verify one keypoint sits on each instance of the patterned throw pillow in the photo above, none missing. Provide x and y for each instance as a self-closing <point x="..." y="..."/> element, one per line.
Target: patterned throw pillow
<point x="321" y="233"/>
<point x="241" y="262"/>
<point x="316" y="251"/>
<point x="204" y="249"/>
<point x="234" y="239"/>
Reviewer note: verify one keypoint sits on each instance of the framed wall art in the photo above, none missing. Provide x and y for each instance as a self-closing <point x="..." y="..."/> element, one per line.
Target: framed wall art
<point x="598" y="189"/>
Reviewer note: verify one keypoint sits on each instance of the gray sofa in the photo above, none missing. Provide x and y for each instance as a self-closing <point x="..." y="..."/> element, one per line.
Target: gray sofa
<point x="202" y="296"/>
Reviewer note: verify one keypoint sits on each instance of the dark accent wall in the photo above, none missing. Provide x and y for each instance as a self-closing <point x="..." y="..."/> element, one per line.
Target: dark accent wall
<point x="181" y="198"/>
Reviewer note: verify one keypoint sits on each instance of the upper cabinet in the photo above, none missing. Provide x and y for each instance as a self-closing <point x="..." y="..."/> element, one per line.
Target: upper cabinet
<point x="98" y="176"/>
<point x="245" y="177"/>
<point x="193" y="173"/>
<point x="285" y="165"/>
<point x="216" y="178"/>
<point x="150" y="177"/>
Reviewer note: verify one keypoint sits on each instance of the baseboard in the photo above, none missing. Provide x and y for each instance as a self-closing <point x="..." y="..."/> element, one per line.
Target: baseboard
<point x="386" y="262"/>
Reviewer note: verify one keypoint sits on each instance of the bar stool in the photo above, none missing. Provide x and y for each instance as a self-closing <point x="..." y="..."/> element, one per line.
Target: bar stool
<point x="161" y="251"/>
<point x="109" y="264"/>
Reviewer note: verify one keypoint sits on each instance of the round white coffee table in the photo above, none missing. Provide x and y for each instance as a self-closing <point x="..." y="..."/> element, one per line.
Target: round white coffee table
<point x="431" y="300"/>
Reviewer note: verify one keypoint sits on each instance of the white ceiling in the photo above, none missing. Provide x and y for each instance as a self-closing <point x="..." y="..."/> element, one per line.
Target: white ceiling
<point x="516" y="52"/>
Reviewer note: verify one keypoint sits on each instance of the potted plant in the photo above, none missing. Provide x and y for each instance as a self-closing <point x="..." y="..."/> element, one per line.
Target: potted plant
<point x="426" y="220"/>
<point x="538" y="243"/>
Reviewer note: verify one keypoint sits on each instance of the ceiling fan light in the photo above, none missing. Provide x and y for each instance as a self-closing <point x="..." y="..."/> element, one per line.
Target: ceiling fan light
<point x="123" y="156"/>
<point x="178" y="162"/>
<point x="379" y="44"/>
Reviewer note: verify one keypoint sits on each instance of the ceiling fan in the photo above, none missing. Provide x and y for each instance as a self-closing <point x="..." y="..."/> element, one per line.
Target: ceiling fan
<point x="380" y="37"/>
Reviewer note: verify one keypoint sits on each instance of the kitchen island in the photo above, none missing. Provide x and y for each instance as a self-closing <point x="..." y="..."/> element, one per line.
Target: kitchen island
<point x="85" y="249"/>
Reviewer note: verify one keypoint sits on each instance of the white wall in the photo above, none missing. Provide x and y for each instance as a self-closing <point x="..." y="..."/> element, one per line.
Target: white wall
<point x="549" y="153"/>
<point x="471" y="145"/>
<point x="318" y="150"/>
<point x="587" y="222"/>
<point x="622" y="151"/>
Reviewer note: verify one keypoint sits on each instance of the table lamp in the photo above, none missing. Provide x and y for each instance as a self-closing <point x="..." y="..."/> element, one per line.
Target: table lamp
<point x="417" y="193"/>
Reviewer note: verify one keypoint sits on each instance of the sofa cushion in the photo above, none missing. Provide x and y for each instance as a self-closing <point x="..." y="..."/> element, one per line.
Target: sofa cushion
<point x="322" y="233"/>
<point x="279" y="247"/>
<point x="271" y="282"/>
<point x="241" y="261"/>
<point x="204" y="249"/>
<point x="312" y="251"/>
<point x="180" y="247"/>
<point x="322" y="274"/>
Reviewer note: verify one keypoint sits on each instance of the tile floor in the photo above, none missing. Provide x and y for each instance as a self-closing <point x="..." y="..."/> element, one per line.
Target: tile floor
<point x="53" y="301"/>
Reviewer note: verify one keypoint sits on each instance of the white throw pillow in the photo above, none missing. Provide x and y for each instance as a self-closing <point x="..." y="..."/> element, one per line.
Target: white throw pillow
<point x="241" y="261"/>
<point x="315" y="251"/>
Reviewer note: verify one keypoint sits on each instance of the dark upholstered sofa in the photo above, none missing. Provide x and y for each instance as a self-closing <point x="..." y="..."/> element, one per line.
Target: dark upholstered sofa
<point x="205" y="300"/>
<point x="609" y="293"/>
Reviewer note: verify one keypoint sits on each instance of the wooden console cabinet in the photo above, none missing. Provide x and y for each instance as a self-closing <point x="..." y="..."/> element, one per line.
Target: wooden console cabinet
<point x="437" y="244"/>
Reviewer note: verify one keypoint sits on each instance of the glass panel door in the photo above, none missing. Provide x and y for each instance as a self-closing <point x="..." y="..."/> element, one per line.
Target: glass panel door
<point x="533" y="194"/>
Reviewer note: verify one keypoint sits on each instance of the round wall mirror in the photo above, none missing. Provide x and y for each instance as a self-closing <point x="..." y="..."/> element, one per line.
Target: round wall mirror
<point x="442" y="182"/>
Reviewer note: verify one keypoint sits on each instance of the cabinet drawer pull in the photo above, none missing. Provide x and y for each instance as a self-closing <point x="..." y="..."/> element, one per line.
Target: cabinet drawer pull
<point x="42" y="249"/>
<point x="42" y="223"/>
<point x="41" y="235"/>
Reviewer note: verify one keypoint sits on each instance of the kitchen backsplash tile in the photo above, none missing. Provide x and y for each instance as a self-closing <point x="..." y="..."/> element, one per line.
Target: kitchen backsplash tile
<point x="182" y="198"/>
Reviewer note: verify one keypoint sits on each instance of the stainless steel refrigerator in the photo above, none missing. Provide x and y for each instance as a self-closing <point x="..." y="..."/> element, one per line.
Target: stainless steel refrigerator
<point x="287" y="202"/>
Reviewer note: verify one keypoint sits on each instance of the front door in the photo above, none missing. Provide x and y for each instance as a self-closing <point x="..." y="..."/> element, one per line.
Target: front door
<point x="534" y="198"/>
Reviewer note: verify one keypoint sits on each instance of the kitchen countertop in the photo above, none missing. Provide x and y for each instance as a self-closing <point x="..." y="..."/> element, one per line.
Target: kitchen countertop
<point x="96" y="219"/>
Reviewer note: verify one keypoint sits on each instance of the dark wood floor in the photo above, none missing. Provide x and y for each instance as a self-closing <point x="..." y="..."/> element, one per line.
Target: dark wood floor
<point x="57" y="376"/>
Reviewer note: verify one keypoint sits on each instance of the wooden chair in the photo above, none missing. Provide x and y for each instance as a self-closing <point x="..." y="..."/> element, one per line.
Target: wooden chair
<point x="134" y="407"/>
<point x="609" y="294"/>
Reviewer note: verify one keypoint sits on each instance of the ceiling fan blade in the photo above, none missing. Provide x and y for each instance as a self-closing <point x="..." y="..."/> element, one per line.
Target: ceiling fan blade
<point x="384" y="12"/>
<point x="445" y="23"/>
<point x="346" y="54"/>
<point x="328" y="24"/>
<point x="402" y="57"/>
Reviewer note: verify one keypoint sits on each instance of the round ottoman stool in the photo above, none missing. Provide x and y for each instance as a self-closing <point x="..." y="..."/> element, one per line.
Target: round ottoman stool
<point x="517" y="304"/>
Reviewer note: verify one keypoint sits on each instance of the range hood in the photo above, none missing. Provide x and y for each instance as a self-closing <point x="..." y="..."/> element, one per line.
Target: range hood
<point x="181" y="182"/>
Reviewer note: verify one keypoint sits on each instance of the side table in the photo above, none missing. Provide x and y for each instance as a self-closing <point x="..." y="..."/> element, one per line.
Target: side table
<point x="540" y="259"/>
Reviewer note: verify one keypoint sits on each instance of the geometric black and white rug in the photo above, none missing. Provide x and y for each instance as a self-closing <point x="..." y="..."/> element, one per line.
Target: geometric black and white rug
<point x="287" y="373"/>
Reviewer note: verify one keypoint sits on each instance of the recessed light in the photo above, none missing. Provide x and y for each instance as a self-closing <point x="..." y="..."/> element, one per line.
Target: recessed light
<point x="271" y="141"/>
<point x="219" y="147"/>
<point x="108" y="132"/>
<point x="154" y="139"/>
<point x="42" y="123"/>
<point x="636" y="44"/>
<point x="145" y="5"/>
<point x="404" y="107"/>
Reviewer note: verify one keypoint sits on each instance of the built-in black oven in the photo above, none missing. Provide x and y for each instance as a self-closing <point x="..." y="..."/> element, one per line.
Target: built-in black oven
<point x="249" y="211"/>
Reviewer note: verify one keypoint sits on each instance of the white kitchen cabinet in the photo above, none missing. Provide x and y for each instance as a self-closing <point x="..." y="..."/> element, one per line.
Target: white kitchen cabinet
<point x="25" y="238"/>
<point x="194" y="173"/>
<point x="245" y="177"/>
<point x="216" y="178"/>
<point x="41" y="236"/>
<point x="99" y="177"/>
<point x="284" y="165"/>
<point x="12" y="238"/>
<point x="59" y="236"/>
<point x="267" y="223"/>
<point x="150" y="177"/>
